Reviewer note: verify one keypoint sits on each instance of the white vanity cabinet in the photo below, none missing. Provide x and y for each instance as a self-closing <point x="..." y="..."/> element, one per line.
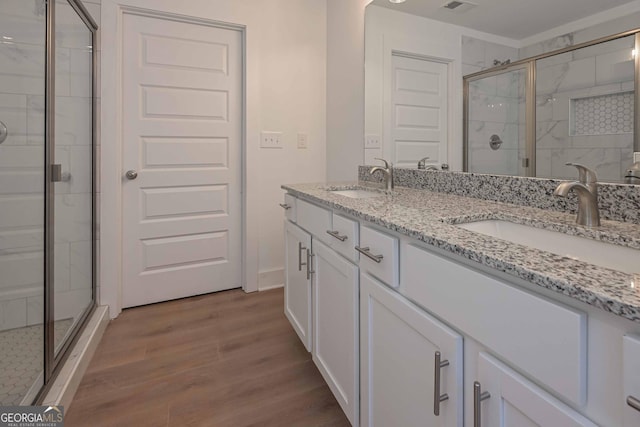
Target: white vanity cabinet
<point x="297" y="287"/>
<point x="502" y="397"/>
<point x="335" y="326"/>
<point x="631" y="369"/>
<point x="402" y="382"/>
<point x="321" y="297"/>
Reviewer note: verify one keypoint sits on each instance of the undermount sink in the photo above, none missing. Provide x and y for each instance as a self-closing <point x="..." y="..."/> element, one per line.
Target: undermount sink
<point x="357" y="194"/>
<point x="595" y="252"/>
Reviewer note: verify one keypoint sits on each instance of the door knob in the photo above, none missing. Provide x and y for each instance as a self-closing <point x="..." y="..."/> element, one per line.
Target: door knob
<point x="131" y="174"/>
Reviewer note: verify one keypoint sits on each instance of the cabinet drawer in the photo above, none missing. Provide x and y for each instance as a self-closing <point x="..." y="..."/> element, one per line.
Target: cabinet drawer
<point x="289" y="207"/>
<point x="631" y="363"/>
<point x="314" y="219"/>
<point x="345" y="236"/>
<point x="382" y="249"/>
<point x="543" y="339"/>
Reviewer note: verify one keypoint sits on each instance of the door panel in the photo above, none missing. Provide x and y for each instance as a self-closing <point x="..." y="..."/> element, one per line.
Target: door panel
<point x="419" y="111"/>
<point x="182" y="115"/>
<point x="515" y="402"/>
<point x="297" y="287"/>
<point x="335" y="326"/>
<point x="398" y="346"/>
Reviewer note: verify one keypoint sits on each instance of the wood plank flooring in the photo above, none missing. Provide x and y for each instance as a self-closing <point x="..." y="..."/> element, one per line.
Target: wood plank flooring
<point x="225" y="359"/>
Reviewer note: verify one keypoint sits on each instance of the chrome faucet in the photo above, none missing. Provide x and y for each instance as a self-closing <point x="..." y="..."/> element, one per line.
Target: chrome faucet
<point x="587" y="190"/>
<point x="387" y="171"/>
<point x="422" y="164"/>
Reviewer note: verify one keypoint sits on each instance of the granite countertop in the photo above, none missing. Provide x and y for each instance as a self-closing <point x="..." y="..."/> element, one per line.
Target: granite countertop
<point x="430" y="217"/>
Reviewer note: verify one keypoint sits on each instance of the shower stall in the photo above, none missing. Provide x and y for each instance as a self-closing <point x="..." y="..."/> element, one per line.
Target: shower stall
<point x="47" y="190"/>
<point x="576" y="104"/>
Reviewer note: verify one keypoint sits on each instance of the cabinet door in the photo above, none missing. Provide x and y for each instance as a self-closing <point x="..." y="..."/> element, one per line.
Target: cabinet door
<point x="515" y="402"/>
<point x="398" y="348"/>
<point x="335" y="326"/>
<point x="297" y="288"/>
<point x="631" y="360"/>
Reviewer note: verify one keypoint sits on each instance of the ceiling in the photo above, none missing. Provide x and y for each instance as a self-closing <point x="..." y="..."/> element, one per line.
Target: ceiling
<point x="515" y="19"/>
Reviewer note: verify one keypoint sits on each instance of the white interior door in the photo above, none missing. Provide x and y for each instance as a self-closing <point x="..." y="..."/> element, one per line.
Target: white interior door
<point x="418" y="123"/>
<point x="181" y="115"/>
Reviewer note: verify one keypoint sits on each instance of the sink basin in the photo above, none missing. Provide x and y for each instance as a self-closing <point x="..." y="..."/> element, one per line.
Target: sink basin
<point x="357" y="194"/>
<point x="603" y="254"/>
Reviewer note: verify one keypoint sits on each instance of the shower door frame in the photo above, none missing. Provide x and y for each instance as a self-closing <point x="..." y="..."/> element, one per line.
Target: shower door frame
<point x="52" y="361"/>
<point x="530" y="96"/>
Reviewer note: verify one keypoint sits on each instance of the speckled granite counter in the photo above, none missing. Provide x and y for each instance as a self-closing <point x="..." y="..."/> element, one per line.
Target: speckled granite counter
<point x="430" y="217"/>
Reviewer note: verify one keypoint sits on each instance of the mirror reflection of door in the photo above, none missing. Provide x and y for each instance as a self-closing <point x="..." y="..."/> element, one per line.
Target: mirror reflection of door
<point x="418" y="115"/>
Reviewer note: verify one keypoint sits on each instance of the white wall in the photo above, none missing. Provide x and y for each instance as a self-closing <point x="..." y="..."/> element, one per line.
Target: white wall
<point x="345" y="88"/>
<point x="286" y="80"/>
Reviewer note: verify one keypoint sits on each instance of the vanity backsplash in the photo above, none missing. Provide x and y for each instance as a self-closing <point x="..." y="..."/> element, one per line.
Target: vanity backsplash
<point x="617" y="202"/>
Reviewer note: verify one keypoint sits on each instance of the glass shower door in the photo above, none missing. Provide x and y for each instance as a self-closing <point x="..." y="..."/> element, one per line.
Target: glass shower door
<point x="73" y="192"/>
<point x="495" y="123"/>
<point x="22" y="225"/>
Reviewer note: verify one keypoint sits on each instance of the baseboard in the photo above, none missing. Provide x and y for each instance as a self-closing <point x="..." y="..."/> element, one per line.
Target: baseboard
<point x="271" y="279"/>
<point x="66" y="383"/>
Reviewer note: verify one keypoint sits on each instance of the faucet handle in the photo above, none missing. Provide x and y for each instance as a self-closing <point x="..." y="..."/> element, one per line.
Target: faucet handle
<point x="386" y="164"/>
<point x="585" y="175"/>
<point x="422" y="163"/>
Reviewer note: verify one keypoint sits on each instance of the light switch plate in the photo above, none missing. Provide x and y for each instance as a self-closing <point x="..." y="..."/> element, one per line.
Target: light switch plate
<point x="271" y="139"/>
<point x="636" y="157"/>
<point x="371" y="141"/>
<point x="303" y="140"/>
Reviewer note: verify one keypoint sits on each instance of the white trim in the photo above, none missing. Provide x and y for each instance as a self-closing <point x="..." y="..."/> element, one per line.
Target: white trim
<point x="271" y="279"/>
<point x="583" y="23"/>
<point x="111" y="154"/>
<point x="67" y="381"/>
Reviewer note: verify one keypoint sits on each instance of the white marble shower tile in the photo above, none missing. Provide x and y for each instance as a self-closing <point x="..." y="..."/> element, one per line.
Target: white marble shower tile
<point x="564" y="77"/>
<point x="13" y="113"/>
<point x="614" y="67"/>
<point x="80" y="265"/>
<point x="605" y="161"/>
<point x="22" y="68"/>
<point x="553" y="134"/>
<point x="73" y="217"/>
<point x="61" y="267"/>
<point x="73" y="121"/>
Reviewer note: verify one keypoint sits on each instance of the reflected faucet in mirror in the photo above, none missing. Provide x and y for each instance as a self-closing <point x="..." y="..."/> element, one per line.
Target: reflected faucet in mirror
<point x="587" y="190"/>
<point x="422" y="164"/>
<point x="387" y="172"/>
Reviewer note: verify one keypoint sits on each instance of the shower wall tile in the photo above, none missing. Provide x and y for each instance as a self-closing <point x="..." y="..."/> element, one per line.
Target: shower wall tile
<point x="13" y="113"/>
<point x="21" y="269"/>
<point x="80" y="265"/>
<point x="73" y="217"/>
<point x="614" y="67"/>
<point x="61" y="267"/>
<point x="499" y="162"/>
<point x="564" y="77"/>
<point x="605" y="161"/>
<point x="35" y="310"/>
<point x="480" y="54"/>
<point x="13" y="313"/>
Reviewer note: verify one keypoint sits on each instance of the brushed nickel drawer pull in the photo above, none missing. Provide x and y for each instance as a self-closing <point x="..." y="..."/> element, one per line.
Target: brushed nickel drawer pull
<point x="285" y="206"/>
<point x="633" y="402"/>
<point x="437" y="397"/>
<point x="478" y="397"/>
<point x="300" y="249"/>
<point x="367" y="252"/>
<point x="310" y="270"/>
<point x="337" y="235"/>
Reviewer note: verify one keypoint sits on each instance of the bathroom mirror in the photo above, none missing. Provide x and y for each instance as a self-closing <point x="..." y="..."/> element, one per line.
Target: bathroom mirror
<point x="525" y="119"/>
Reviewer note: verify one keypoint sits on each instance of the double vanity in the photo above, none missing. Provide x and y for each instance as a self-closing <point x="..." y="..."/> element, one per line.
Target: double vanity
<point x="424" y="307"/>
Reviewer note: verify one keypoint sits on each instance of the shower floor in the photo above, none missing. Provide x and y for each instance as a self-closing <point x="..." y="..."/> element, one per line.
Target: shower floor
<point x="21" y="359"/>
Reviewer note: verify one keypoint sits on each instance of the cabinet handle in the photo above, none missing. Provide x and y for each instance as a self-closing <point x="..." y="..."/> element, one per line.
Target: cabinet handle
<point x="478" y="397"/>
<point x="309" y="264"/>
<point x="337" y="235"/>
<point x="633" y="402"/>
<point x="285" y="206"/>
<point x="300" y="249"/>
<point x="367" y="252"/>
<point x="437" y="397"/>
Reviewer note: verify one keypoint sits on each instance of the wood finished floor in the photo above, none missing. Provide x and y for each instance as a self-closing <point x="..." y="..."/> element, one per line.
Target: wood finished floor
<point x="225" y="359"/>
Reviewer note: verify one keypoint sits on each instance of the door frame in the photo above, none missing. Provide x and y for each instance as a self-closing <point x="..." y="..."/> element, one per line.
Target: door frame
<point x="448" y="54"/>
<point x="111" y="272"/>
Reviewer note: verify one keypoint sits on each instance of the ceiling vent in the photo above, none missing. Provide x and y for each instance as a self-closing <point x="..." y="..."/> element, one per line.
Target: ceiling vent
<point x="459" y="6"/>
